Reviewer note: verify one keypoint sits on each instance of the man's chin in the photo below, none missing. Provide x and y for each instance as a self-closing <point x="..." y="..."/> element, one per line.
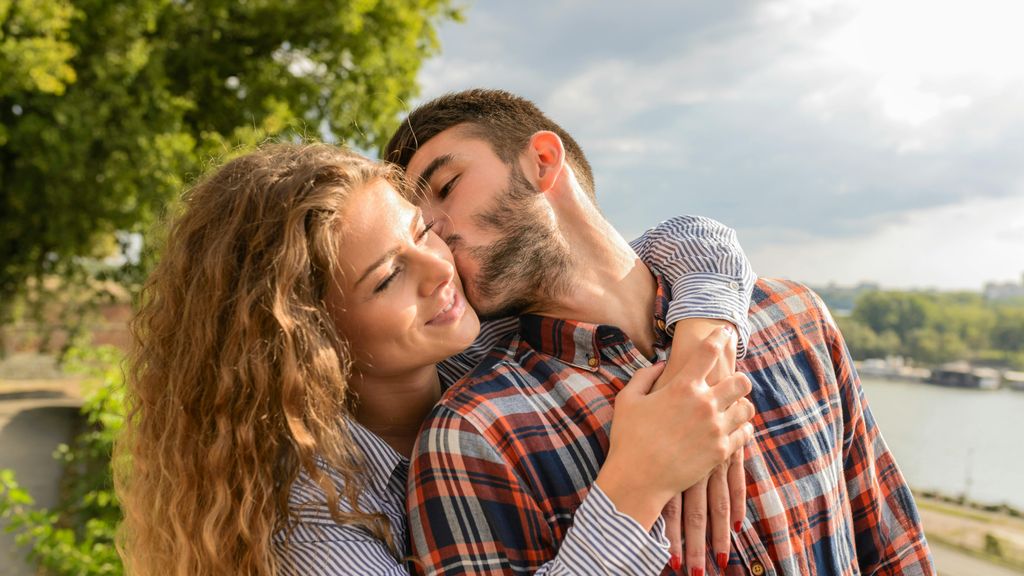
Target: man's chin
<point x="502" y="307"/>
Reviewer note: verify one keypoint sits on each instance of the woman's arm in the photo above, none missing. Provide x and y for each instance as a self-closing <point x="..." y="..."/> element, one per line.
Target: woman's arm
<point x="335" y="550"/>
<point x="712" y="282"/>
<point x="699" y="257"/>
<point x="705" y="265"/>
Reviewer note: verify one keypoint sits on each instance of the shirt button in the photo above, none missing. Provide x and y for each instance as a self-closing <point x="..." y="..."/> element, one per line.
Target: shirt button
<point x="734" y="285"/>
<point x="592" y="361"/>
<point x="661" y="324"/>
<point x="757" y="569"/>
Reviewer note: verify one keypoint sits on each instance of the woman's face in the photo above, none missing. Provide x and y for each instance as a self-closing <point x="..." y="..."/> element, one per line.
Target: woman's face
<point x="398" y="300"/>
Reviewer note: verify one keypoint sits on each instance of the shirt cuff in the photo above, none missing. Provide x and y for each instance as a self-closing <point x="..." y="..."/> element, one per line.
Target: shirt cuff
<point x="603" y="540"/>
<point x="716" y="296"/>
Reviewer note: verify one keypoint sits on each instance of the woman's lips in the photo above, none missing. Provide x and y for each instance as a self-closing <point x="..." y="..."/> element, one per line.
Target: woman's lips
<point x="452" y="311"/>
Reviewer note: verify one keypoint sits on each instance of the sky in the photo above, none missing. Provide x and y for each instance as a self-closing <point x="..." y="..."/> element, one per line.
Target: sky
<point x="844" y="140"/>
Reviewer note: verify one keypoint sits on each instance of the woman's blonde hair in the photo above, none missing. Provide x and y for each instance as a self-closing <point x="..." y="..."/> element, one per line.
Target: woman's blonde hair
<point x="237" y="379"/>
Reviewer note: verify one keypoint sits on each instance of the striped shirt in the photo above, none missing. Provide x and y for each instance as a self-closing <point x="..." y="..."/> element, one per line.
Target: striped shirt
<point x="511" y="451"/>
<point x="708" y="270"/>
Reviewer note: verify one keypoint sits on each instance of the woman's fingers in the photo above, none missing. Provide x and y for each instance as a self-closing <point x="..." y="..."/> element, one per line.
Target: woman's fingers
<point x="718" y="512"/>
<point x="695" y="521"/>
<point x="737" y="490"/>
<point x="673" y="515"/>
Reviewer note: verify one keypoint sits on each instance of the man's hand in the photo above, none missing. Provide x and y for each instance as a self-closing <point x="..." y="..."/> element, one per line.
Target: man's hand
<point x="676" y="435"/>
<point x="722" y="495"/>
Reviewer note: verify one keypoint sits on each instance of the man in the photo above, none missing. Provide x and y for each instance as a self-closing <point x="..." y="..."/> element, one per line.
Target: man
<point x="494" y="491"/>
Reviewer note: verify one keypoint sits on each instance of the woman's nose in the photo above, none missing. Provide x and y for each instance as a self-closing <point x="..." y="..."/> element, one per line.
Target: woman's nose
<point x="438" y="272"/>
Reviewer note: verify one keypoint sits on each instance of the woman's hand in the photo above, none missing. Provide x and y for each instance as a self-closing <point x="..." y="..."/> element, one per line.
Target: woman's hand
<point x="667" y="440"/>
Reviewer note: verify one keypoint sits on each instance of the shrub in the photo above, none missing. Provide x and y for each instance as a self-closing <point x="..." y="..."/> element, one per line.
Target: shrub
<point x="78" y="536"/>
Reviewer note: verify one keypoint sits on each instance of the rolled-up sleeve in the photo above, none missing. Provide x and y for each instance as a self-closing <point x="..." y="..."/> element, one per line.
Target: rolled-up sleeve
<point x="709" y="273"/>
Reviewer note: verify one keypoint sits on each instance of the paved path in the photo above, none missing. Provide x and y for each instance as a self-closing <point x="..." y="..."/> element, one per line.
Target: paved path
<point x="35" y="417"/>
<point x="952" y="562"/>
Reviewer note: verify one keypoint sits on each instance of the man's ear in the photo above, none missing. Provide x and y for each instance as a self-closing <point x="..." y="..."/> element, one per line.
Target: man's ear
<point x="545" y="155"/>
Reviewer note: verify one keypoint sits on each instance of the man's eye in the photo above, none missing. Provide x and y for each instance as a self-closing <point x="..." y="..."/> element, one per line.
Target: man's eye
<point x="447" y="188"/>
<point x="452" y="240"/>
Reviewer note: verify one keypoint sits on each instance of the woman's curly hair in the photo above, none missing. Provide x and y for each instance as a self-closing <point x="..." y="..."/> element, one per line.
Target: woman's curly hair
<point x="237" y="377"/>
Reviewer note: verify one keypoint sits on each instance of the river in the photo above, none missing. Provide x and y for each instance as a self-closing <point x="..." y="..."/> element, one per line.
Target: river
<point x="955" y="441"/>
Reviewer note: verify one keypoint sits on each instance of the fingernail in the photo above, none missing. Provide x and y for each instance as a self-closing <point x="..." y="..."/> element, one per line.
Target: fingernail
<point x="736" y="526"/>
<point x="696" y="572"/>
<point x="723" y="560"/>
<point x="676" y="562"/>
<point x="727" y="329"/>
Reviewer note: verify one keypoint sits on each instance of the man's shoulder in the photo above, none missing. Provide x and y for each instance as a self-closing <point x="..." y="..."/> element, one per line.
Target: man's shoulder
<point x="776" y="299"/>
<point x="782" y="308"/>
<point x="489" y="383"/>
<point x="477" y="411"/>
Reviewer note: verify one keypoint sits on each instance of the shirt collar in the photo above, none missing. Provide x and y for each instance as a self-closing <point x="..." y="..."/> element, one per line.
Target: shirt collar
<point x="579" y="343"/>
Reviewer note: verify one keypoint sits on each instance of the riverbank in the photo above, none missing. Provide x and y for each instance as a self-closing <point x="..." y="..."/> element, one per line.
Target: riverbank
<point x="992" y="534"/>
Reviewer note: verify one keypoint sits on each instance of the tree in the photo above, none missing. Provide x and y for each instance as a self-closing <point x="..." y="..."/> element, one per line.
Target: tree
<point x="108" y="108"/>
<point x="864" y="343"/>
<point x="898" y="312"/>
<point x="1008" y="333"/>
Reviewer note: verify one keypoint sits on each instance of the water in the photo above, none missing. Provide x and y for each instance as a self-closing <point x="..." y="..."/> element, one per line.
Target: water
<point x="958" y="442"/>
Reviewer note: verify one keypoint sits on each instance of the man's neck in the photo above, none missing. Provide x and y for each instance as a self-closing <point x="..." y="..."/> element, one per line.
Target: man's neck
<point x="394" y="406"/>
<point x="609" y="284"/>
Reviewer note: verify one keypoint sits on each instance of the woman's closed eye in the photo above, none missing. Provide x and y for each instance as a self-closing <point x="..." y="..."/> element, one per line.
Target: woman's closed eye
<point x="399" y="268"/>
<point x="426" y="230"/>
<point x="387" y="281"/>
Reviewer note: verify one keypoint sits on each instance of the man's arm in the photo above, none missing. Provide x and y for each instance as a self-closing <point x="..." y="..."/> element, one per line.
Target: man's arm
<point x="889" y="536"/>
<point x="469" y="513"/>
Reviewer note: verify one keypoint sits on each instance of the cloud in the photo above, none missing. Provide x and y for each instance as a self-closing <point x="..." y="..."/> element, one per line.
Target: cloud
<point x="816" y="119"/>
<point x="953" y="247"/>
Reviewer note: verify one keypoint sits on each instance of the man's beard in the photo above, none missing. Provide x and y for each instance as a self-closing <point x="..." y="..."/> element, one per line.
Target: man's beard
<point x="528" y="265"/>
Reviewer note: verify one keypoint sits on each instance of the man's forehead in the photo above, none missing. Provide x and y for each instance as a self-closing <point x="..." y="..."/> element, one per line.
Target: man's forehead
<point x="447" y="142"/>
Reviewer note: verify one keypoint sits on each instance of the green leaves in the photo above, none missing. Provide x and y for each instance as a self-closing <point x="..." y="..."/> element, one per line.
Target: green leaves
<point x="934" y="327"/>
<point x="34" y="46"/>
<point x="78" y="537"/>
<point x="108" y="109"/>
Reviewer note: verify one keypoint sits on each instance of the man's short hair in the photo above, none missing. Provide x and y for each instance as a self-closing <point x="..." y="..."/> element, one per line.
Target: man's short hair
<point x="500" y="118"/>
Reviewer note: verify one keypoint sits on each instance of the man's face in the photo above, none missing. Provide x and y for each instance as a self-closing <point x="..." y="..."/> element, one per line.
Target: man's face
<point x="498" y="226"/>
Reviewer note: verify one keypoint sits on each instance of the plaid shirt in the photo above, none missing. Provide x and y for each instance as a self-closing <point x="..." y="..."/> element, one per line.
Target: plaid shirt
<point x="510" y="452"/>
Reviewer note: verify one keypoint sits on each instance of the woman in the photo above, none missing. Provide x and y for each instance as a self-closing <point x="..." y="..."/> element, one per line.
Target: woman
<point x="249" y="423"/>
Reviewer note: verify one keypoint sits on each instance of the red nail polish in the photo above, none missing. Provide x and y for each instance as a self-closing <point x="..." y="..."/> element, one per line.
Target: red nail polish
<point x="736" y="526"/>
<point x="723" y="560"/>
<point x="676" y="562"/>
<point x="696" y="572"/>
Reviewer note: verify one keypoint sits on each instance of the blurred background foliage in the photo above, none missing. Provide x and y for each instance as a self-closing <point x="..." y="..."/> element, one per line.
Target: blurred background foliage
<point x="933" y="328"/>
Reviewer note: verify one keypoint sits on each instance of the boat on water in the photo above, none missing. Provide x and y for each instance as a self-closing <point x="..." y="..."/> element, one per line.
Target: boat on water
<point x="962" y="375"/>
<point x="891" y="368"/>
